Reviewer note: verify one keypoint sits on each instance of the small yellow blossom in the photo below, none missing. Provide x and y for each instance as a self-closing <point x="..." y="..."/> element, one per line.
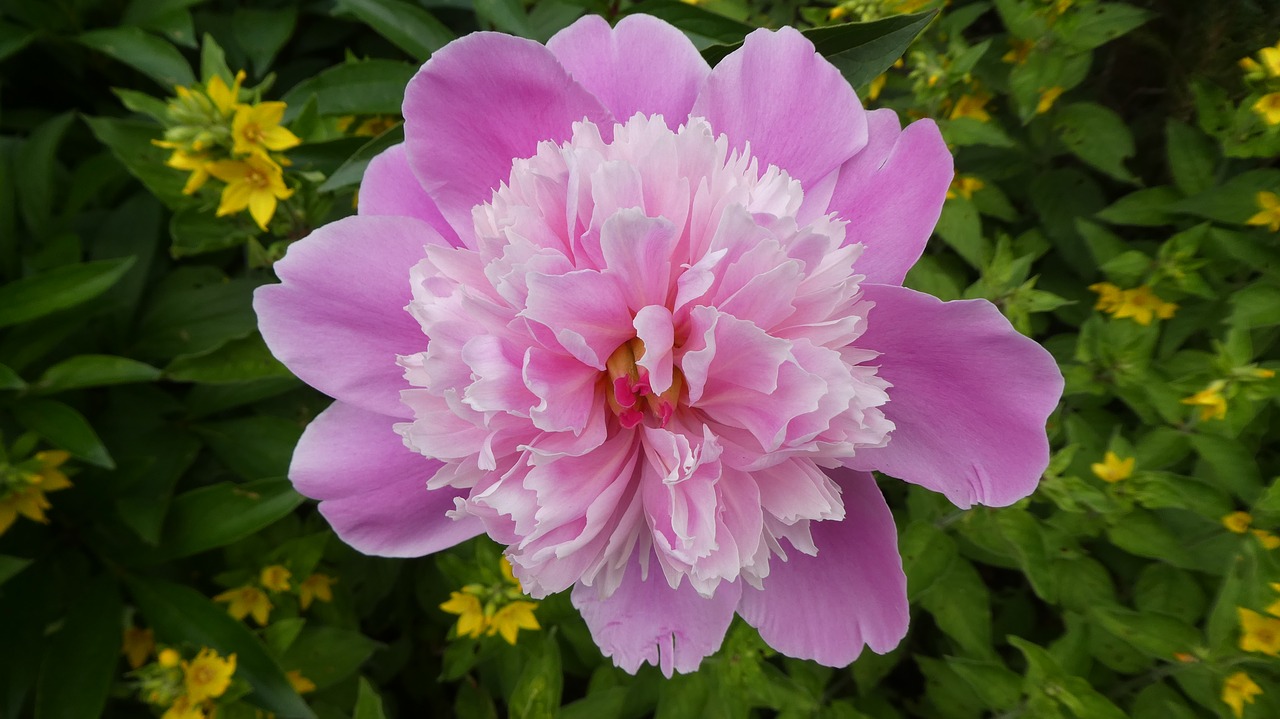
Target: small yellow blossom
<point x="1237" y="522"/>
<point x="224" y="98"/>
<point x="197" y="163"/>
<point x="1048" y="96"/>
<point x="1108" y="296"/>
<point x="1239" y="690"/>
<point x="208" y="675"/>
<point x="964" y="186"/>
<point x="1259" y="633"/>
<point x="316" y="586"/>
<point x="509" y="620"/>
<point x="1268" y="106"/>
<point x="184" y="708"/>
<point x="1269" y="216"/>
<point x="28" y="499"/>
<point x="837" y="12"/>
<point x="471" y="619"/>
<point x="1112" y="469"/>
<point x="138" y="645"/>
<point x="1018" y="52"/>
<point x="247" y="600"/>
<point x="877" y="85"/>
<point x="275" y="578"/>
<point x="1140" y="303"/>
<point x="255" y="183"/>
<point x="1210" y="401"/>
<point x="973" y="106"/>
<point x="1251" y="68"/>
<point x="169" y="658"/>
<point x="910" y="6"/>
<point x="300" y="684"/>
<point x="1266" y="539"/>
<point x="256" y="129"/>
<point x="1270" y="57"/>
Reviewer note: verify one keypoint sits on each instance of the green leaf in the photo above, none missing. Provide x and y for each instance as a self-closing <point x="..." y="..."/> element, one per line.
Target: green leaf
<point x="10" y="379"/>
<point x="1098" y="136"/>
<point x="130" y="142"/>
<point x="714" y="34"/>
<point x="404" y="24"/>
<point x="196" y="232"/>
<point x="1046" y="677"/>
<point x="36" y="164"/>
<point x="1145" y="208"/>
<point x="372" y="87"/>
<point x="149" y="468"/>
<point x="1232" y="465"/>
<point x="94" y="371"/>
<point x="58" y="289"/>
<point x="1256" y="305"/>
<point x="262" y="32"/>
<point x="194" y="310"/>
<point x="253" y="447"/>
<point x="1192" y="157"/>
<point x="861" y="51"/>
<point x="81" y="660"/>
<point x="1094" y="25"/>
<point x="144" y="52"/>
<point x="11" y="566"/>
<point x="351" y="172"/>
<point x="170" y="18"/>
<point x="961" y="228"/>
<point x="13" y="38"/>
<point x="141" y="102"/>
<point x="368" y="703"/>
<point x="1152" y="633"/>
<point x="927" y="554"/>
<point x="961" y="606"/>
<point x="537" y="692"/>
<point x="180" y="614"/>
<point x="327" y="655"/>
<point x="966" y="131"/>
<point x="993" y="682"/>
<point x="239" y="360"/>
<point x="64" y="428"/>
<point x="1234" y="201"/>
<point x="505" y="15"/>
<point x="1169" y="590"/>
<point x="215" y="516"/>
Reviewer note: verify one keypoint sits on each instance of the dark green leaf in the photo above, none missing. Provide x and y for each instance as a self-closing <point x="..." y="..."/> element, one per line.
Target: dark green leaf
<point x="196" y="232"/>
<point x="368" y="703"/>
<point x="81" y="661"/>
<point x="327" y="655"/>
<point x="94" y="371"/>
<point x="195" y="310"/>
<point x="351" y="172"/>
<point x="1146" y="208"/>
<point x="372" y="87"/>
<point x="1256" y="305"/>
<point x="64" y="428"/>
<point x="1155" y="634"/>
<point x="35" y="164"/>
<point x="10" y="379"/>
<point x="130" y="142"/>
<point x="13" y="38"/>
<point x="253" y="447"/>
<point x="180" y="614"/>
<point x="1234" y="201"/>
<point x="861" y="51"/>
<point x="1192" y="157"/>
<point x="505" y="15"/>
<point x="406" y="25"/>
<point x="11" y="566"/>
<point x="58" y="289"/>
<point x="1098" y="136"/>
<point x="537" y="693"/>
<point x="144" y="52"/>
<point x="261" y="32"/>
<point x="215" y="516"/>
<point x="1094" y="25"/>
<point x="239" y="360"/>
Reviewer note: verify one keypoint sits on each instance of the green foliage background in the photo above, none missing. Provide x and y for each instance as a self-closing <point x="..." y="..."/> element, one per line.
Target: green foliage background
<point x="127" y="339"/>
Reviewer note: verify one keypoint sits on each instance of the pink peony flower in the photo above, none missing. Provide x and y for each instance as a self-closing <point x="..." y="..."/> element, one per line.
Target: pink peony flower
<point x="641" y="321"/>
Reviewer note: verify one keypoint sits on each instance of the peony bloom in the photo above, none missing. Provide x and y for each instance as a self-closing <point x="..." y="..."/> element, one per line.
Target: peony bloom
<point x="655" y="340"/>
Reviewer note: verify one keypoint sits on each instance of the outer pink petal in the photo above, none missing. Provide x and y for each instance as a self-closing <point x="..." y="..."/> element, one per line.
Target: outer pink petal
<point x="479" y="103"/>
<point x="641" y="65"/>
<point x="337" y="319"/>
<point x="891" y="193"/>
<point x="854" y="592"/>
<point x="970" y="397"/>
<point x="390" y="188"/>
<point x="648" y="621"/>
<point x="373" y="490"/>
<point x="795" y="108"/>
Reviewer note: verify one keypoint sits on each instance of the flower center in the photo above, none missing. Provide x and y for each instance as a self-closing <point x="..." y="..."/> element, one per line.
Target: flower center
<point x="629" y="393"/>
<point x="258" y="179"/>
<point x="252" y="133"/>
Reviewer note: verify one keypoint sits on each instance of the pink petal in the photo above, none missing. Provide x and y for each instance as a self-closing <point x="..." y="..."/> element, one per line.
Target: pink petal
<point x="854" y="592"/>
<point x="892" y="193"/>
<point x="565" y="387"/>
<point x="645" y="620"/>
<point x="637" y="251"/>
<point x="641" y="65"/>
<point x="793" y="107"/>
<point x="477" y="104"/>
<point x="373" y="490"/>
<point x="970" y="397"/>
<point x="655" y="329"/>
<point x="389" y="188"/>
<point x="337" y="318"/>
<point x="586" y="310"/>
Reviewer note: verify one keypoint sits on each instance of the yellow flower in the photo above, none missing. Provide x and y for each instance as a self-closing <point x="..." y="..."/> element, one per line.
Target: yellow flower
<point x="1267" y="539"/>
<point x="168" y="658"/>
<point x="972" y="106"/>
<point x="1274" y="608"/>
<point x="255" y="182"/>
<point x="509" y="620"/>
<point x="138" y="645"/>
<point x="1269" y="217"/>
<point x="197" y="163"/>
<point x="1239" y="690"/>
<point x="1210" y="401"/>
<point x="300" y="684"/>
<point x="837" y="12"/>
<point x="1108" y="296"/>
<point x="1270" y="57"/>
<point x="316" y="586"/>
<point x="208" y="675"/>
<point x="256" y="129"/>
<point x="184" y="708"/>
<point x="275" y="578"/>
<point x="246" y="600"/>
<point x="1259" y="633"/>
<point x="1238" y="522"/>
<point x="376" y="125"/>
<point x="1048" y="96"/>
<point x="224" y="98"/>
<point x="28" y="499"/>
<point x="1018" y="52"/>
<point x="877" y="84"/>
<point x="964" y="186"/>
<point x="1113" y="469"/>
<point x="471" y="618"/>
<point x="910" y="6"/>
<point x="1269" y="107"/>
<point x="1142" y="305"/>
